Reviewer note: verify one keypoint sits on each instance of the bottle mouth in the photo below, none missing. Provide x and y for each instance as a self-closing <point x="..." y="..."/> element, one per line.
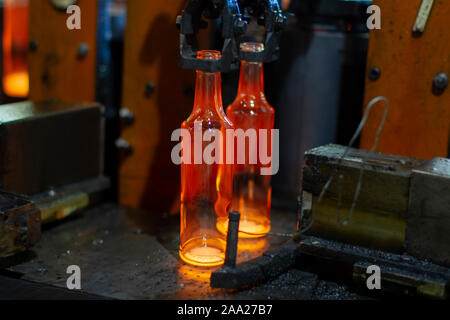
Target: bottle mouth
<point x="252" y="47"/>
<point x="209" y="54"/>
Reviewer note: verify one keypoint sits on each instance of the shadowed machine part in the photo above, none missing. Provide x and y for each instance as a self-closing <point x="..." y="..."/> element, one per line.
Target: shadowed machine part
<point x="20" y="224"/>
<point x="317" y="85"/>
<point x="396" y="211"/>
<point x="232" y="239"/>
<point x="52" y="154"/>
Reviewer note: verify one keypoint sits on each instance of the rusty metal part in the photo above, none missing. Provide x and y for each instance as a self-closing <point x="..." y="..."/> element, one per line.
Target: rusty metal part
<point x="403" y="203"/>
<point x="399" y="273"/>
<point x="428" y="228"/>
<point x="379" y="220"/>
<point x="399" y="53"/>
<point x="20" y="224"/>
<point x="409" y="282"/>
<point x="232" y="239"/>
<point x="59" y="203"/>
<point x="55" y="71"/>
<point x="267" y="267"/>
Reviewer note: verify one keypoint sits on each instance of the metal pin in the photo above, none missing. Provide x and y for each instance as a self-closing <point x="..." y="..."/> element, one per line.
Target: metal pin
<point x="423" y="16"/>
<point x="232" y="239"/>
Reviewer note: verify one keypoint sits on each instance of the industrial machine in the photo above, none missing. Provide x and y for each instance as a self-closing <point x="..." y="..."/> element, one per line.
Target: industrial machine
<point x="92" y="183"/>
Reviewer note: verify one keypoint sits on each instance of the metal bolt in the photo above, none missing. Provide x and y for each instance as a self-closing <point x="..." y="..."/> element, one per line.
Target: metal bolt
<point x="82" y="50"/>
<point x="374" y="74"/>
<point x="440" y="81"/>
<point x="150" y="88"/>
<point x="124" y="146"/>
<point x="33" y="45"/>
<point x="127" y="116"/>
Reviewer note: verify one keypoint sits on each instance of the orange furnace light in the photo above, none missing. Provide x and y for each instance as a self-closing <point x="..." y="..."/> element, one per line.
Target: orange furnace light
<point x="15" y="47"/>
<point x="16" y="84"/>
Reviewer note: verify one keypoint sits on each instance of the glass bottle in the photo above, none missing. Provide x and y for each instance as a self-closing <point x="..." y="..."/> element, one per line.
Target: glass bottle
<point x="15" y="47"/>
<point x="251" y="190"/>
<point x="206" y="189"/>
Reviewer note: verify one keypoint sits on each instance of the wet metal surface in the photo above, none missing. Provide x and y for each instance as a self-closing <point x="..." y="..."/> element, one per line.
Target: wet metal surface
<point x="131" y="254"/>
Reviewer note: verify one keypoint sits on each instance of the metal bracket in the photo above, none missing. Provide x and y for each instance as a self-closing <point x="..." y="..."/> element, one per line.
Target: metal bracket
<point x="190" y="23"/>
<point x="234" y="25"/>
<point x="422" y="16"/>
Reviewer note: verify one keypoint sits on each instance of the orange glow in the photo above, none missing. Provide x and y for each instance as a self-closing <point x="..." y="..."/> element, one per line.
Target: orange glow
<point x="196" y="275"/>
<point x="15" y="46"/>
<point x="203" y="252"/>
<point x="16" y="84"/>
<point x="252" y="226"/>
<point x="194" y="282"/>
<point x="252" y="248"/>
<point x="206" y="189"/>
<point x="251" y="190"/>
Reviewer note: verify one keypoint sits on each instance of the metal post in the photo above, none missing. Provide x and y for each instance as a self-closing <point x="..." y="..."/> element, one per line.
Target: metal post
<point x="232" y="239"/>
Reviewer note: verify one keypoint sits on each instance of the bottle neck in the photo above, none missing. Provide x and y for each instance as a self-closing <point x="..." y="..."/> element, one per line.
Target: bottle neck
<point x="251" y="80"/>
<point x="208" y="92"/>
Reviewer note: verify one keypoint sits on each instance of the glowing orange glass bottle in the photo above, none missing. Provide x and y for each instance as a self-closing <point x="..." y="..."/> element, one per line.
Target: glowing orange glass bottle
<point x="250" y="110"/>
<point x="15" y="46"/>
<point x="206" y="186"/>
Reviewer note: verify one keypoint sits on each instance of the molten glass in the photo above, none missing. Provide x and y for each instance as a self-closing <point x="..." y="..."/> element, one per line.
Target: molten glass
<point x="206" y="189"/>
<point x="251" y="190"/>
<point x="15" y="46"/>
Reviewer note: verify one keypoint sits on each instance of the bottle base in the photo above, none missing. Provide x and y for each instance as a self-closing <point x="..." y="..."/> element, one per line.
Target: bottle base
<point x="248" y="228"/>
<point x="203" y="253"/>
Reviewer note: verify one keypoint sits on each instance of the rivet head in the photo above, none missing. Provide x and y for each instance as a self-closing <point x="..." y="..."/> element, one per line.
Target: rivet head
<point x="440" y="81"/>
<point x="126" y="116"/>
<point x="149" y="88"/>
<point x="33" y="45"/>
<point x="82" y="50"/>
<point x="124" y="146"/>
<point x="374" y="73"/>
